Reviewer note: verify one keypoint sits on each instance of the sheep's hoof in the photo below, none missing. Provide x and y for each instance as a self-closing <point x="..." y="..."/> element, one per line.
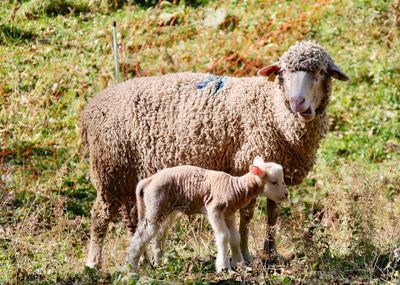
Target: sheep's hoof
<point x="241" y="268"/>
<point x="271" y="254"/>
<point x="248" y="259"/>
<point x="275" y="258"/>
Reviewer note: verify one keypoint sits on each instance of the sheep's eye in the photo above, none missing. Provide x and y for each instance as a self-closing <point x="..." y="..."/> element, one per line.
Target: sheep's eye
<point x="274" y="182"/>
<point x="318" y="75"/>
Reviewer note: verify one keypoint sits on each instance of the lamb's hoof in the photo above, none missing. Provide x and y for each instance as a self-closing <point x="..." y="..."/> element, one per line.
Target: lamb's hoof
<point x="396" y="253"/>
<point x="129" y="268"/>
<point x="225" y="270"/>
<point x="129" y="278"/>
<point x="92" y="265"/>
<point x="90" y="271"/>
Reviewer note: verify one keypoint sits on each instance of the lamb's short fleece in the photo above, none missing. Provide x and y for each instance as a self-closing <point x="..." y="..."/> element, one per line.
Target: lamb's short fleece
<point x="194" y="190"/>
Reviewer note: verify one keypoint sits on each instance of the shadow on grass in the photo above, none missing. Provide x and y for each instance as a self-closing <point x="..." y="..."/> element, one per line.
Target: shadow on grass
<point x="12" y="33"/>
<point x="80" y="201"/>
<point x="87" y="276"/>
<point x="357" y="266"/>
<point x="19" y="154"/>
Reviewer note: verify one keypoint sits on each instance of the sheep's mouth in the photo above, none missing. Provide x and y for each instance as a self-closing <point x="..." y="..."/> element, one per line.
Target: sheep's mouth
<point x="306" y="115"/>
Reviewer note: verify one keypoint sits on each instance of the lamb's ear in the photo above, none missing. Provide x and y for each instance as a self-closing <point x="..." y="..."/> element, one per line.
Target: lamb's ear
<point x="256" y="171"/>
<point x="269" y="71"/>
<point x="258" y="160"/>
<point x="338" y="73"/>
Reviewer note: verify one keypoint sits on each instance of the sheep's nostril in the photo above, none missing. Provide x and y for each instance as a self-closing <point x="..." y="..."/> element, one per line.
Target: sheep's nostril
<point x="300" y="101"/>
<point x="286" y="195"/>
<point x="297" y="102"/>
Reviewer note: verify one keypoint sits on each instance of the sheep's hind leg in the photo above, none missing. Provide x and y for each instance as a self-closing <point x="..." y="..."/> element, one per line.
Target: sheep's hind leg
<point x="222" y="236"/>
<point x="156" y="244"/>
<point x="245" y="216"/>
<point x="102" y="213"/>
<point x="128" y="211"/>
<point x="234" y="241"/>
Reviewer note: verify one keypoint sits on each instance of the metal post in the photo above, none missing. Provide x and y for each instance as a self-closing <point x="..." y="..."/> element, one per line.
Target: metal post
<point x="116" y="51"/>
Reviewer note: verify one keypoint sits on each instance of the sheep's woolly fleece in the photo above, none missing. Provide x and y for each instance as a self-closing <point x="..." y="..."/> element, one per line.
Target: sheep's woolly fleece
<point x="305" y="56"/>
<point x="138" y="127"/>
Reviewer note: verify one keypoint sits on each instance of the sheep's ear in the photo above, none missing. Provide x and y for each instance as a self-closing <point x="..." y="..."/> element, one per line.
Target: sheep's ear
<point x="256" y="170"/>
<point x="258" y="160"/>
<point x="338" y="73"/>
<point x="270" y="71"/>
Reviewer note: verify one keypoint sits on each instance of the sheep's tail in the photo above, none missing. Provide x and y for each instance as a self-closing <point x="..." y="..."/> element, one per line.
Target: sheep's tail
<point x="139" y="196"/>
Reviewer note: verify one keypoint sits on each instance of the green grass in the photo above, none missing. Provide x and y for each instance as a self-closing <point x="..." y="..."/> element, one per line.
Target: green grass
<point x="341" y="224"/>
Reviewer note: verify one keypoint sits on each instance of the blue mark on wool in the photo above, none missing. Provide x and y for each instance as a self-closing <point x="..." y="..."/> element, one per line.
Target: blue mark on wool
<point x="204" y="83"/>
<point x="218" y="81"/>
<point x="219" y="84"/>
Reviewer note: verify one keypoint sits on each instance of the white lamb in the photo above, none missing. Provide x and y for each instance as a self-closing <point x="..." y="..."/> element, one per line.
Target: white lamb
<point x="194" y="190"/>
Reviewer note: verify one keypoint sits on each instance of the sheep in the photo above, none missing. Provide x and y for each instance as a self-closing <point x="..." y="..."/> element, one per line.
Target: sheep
<point x="140" y="126"/>
<point x="195" y="190"/>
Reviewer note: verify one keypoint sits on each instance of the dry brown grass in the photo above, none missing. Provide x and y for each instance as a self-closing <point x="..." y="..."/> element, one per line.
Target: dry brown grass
<point x="341" y="225"/>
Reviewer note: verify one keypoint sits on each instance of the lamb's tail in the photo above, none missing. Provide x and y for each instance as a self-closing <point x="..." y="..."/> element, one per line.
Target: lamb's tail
<point x="139" y="196"/>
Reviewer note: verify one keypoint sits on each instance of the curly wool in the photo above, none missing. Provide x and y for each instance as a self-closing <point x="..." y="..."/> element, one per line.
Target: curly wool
<point x="305" y="56"/>
<point x="138" y="127"/>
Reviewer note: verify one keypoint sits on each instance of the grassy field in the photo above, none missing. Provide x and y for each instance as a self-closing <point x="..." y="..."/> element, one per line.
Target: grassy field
<point x="341" y="225"/>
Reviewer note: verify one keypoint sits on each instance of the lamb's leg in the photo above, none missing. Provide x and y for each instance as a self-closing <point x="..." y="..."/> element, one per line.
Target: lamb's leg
<point x="102" y="213"/>
<point x="234" y="241"/>
<point x="137" y="245"/>
<point x="269" y="243"/>
<point x="245" y="216"/>
<point x="156" y="244"/>
<point x="222" y="237"/>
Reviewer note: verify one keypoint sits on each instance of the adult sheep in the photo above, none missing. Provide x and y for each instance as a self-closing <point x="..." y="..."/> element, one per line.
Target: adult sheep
<point x="138" y="127"/>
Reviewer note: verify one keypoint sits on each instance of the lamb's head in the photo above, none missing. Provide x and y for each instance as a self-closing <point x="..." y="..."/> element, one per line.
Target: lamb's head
<point x="270" y="176"/>
<point x="304" y="76"/>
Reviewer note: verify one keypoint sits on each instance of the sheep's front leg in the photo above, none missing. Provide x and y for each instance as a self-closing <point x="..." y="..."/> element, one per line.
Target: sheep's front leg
<point x="144" y="233"/>
<point x="234" y="241"/>
<point x="245" y="216"/>
<point x="273" y="214"/>
<point x="222" y="237"/>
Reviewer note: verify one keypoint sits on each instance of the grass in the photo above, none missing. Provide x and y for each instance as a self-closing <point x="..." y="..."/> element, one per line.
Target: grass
<point x="341" y="224"/>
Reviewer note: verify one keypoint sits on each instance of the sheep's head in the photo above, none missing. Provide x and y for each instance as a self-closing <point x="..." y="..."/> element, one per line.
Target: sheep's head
<point x="304" y="73"/>
<point x="270" y="176"/>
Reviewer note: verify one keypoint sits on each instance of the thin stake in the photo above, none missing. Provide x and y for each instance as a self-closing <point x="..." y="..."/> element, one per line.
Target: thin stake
<point x="116" y="51"/>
